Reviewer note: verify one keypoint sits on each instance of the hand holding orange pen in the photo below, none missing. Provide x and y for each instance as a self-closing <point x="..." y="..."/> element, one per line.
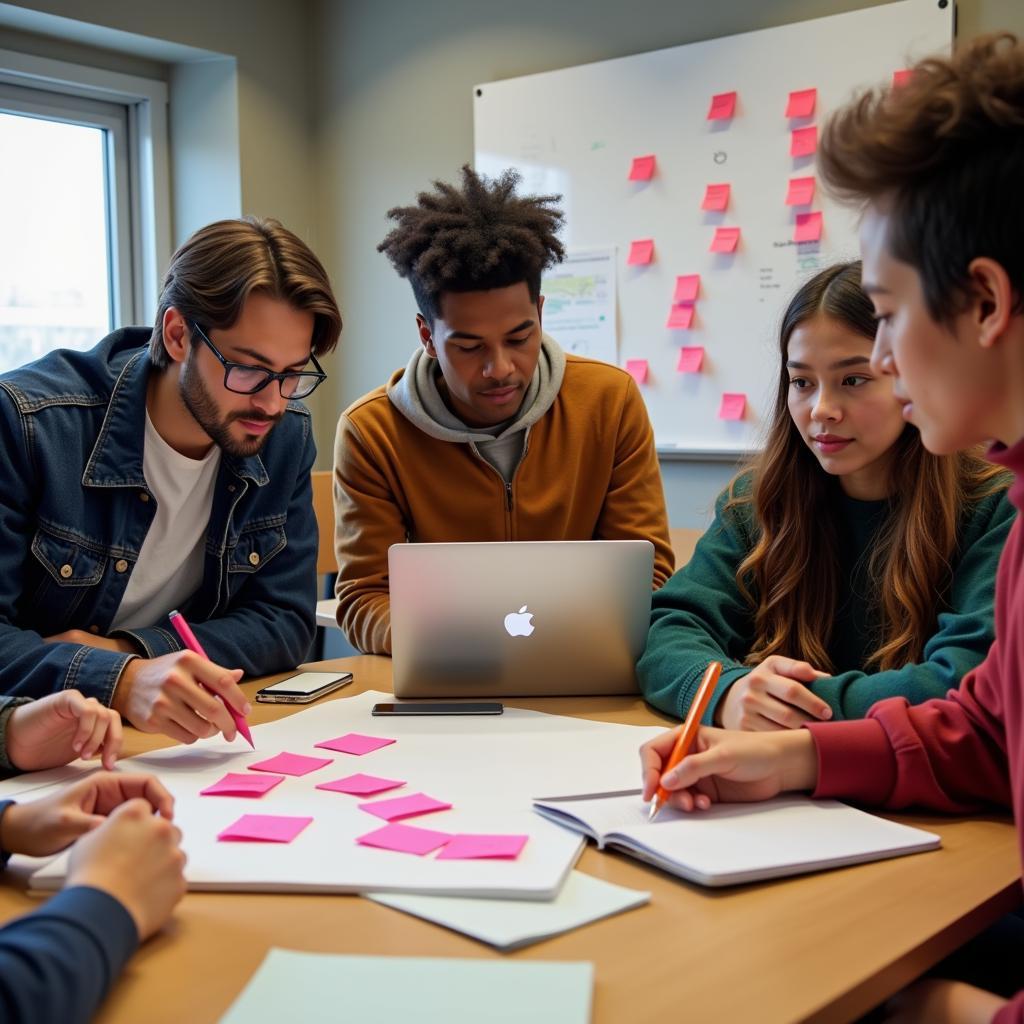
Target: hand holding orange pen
<point x="688" y="733"/>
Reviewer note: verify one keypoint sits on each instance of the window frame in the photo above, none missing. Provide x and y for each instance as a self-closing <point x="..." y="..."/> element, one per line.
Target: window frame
<point x="140" y="221"/>
<point x="123" y="263"/>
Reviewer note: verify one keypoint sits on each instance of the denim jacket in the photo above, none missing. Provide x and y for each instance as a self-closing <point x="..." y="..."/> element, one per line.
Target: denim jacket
<point x="75" y="509"/>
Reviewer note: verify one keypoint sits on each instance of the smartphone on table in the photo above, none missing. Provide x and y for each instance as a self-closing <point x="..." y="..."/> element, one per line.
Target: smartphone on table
<point x="436" y="708"/>
<point x="303" y="688"/>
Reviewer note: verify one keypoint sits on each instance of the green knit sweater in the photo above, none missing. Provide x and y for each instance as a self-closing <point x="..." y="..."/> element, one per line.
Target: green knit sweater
<point x="701" y="616"/>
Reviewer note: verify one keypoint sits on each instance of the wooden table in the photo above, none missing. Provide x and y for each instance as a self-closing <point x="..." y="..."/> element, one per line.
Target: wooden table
<point x="824" y="947"/>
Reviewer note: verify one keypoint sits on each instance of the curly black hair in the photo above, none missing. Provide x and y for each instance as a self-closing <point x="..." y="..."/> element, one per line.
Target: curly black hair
<point x="475" y="238"/>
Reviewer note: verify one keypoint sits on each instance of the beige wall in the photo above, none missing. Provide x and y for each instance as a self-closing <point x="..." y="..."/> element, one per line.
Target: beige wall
<point x="394" y="111"/>
<point x="271" y="41"/>
<point x="348" y="107"/>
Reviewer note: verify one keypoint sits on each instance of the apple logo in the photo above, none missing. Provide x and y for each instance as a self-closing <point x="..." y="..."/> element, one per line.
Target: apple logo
<point x="518" y="623"/>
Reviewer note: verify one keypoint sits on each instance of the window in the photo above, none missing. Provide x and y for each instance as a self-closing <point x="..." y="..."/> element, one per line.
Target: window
<point x="79" y="215"/>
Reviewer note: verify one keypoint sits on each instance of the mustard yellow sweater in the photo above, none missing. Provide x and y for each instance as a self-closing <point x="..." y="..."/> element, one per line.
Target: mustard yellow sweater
<point x="588" y="471"/>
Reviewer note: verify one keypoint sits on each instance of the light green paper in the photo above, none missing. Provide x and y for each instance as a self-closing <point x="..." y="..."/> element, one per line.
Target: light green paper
<point x="324" y="988"/>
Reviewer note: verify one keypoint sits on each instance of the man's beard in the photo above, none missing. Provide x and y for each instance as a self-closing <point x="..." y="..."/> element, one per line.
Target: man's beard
<point x="204" y="410"/>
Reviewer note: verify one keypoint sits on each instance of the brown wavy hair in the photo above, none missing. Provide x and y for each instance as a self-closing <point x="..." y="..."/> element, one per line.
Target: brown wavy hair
<point x="945" y="153"/>
<point x="791" y="576"/>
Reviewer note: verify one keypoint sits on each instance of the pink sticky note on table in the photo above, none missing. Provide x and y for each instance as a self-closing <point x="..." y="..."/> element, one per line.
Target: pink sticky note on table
<point x="290" y="764"/>
<point x="808" y="227"/>
<point x="901" y="77"/>
<point x="404" y="807"/>
<point x="716" y="197"/>
<point x="238" y="784"/>
<point x="264" y="828"/>
<point x="687" y="289"/>
<point x="733" y="407"/>
<point x="800" y="191"/>
<point x="642" y="168"/>
<point x="690" y="359"/>
<point x="680" y="318"/>
<point x="725" y="240"/>
<point x="404" y="839"/>
<point x="804" y="141"/>
<point x="355" y="743"/>
<point x="466" y="846"/>
<point x="801" y="103"/>
<point x="361" y="785"/>
<point x="723" y="106"/>
<point x="637" y="369"/>
<point x="641" y="251"/>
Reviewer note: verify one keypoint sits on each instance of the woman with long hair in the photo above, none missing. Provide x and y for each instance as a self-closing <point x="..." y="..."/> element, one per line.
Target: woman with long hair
<point x="846" y="563"/>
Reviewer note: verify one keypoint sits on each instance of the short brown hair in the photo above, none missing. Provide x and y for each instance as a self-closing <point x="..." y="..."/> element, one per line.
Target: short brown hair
<point x="946" y="152"/>
<point x="214" y="272"/>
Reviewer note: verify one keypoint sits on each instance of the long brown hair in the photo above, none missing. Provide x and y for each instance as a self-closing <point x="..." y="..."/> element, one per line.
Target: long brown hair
<point x="791" y="576"/>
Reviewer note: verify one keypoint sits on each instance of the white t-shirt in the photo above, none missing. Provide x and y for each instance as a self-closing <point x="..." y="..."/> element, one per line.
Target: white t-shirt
<point x="170" y="565"/>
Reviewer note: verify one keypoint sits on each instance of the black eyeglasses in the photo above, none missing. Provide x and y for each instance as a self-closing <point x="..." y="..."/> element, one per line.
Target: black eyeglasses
<point x="244" y="379"/>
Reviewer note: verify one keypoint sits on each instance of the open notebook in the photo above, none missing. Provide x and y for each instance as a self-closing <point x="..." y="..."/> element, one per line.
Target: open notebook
<point x="734" y="843"/>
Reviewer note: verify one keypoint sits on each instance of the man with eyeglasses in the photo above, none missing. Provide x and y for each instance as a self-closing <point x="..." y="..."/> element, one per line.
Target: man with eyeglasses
<point x="170" y="468"/>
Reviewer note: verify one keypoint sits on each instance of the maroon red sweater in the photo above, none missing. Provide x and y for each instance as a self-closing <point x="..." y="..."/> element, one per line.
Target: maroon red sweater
<point x="958" y="754"/>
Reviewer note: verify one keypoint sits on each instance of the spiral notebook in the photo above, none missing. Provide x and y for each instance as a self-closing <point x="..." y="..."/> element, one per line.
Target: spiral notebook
<point x="734" y="843"/>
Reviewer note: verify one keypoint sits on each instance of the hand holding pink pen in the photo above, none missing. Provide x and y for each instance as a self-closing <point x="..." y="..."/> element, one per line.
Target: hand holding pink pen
<point x="188" y="638"/>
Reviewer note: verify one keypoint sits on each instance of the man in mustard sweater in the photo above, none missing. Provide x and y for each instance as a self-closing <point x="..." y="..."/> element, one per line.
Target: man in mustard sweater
<point x="491" y="432"/>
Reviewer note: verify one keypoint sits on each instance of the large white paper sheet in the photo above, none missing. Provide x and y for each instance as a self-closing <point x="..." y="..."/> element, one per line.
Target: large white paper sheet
<point x="489" y="768"/>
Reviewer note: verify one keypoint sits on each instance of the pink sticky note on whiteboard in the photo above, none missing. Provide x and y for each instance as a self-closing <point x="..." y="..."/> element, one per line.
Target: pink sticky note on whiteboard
<point x="361" y="785"/>
<point x="800" y="192"/>
<point x="733" y="407"/>
<point x="716" y="197"/>
<point x="404" y="839"/>
<point x="680" y="318"/>
<point x="808" y="227"/>
<point x="404" y="807"/>
<point x="642" y="168"/>
<point x="691" y="357"/>
<point x="290" y="764"/>
<point x="637" y="369"/>
<point x="804" y="141"/>
<point x="239" y="784"/>
<point x="465" y="846"/>
<point x="801" y="103"/>
<point x="687" y="288"/>
<point x="641" y="252"/>
<point x="264" y="828"/>
<point x="725" y="240"/>
<point x="723" y="106"/>
<point x="355" y="743"/>
<point x="901" y="77"/>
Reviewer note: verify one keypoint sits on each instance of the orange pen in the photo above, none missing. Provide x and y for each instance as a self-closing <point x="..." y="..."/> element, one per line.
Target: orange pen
<point x="688" y="733"/>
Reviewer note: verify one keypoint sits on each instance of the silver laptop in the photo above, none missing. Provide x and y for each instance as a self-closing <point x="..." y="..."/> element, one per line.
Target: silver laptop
<point x="522" y="618"/>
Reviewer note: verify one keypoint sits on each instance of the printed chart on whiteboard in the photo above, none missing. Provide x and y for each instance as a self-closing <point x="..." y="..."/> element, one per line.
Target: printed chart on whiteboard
<point x="693" y="206"/>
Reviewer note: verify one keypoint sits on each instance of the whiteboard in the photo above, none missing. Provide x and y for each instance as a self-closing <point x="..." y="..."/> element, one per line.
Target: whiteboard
<point x="576" y="131"/>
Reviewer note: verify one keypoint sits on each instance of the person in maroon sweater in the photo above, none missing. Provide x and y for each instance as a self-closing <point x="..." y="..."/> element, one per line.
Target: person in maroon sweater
<point x="938" y="165"/>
